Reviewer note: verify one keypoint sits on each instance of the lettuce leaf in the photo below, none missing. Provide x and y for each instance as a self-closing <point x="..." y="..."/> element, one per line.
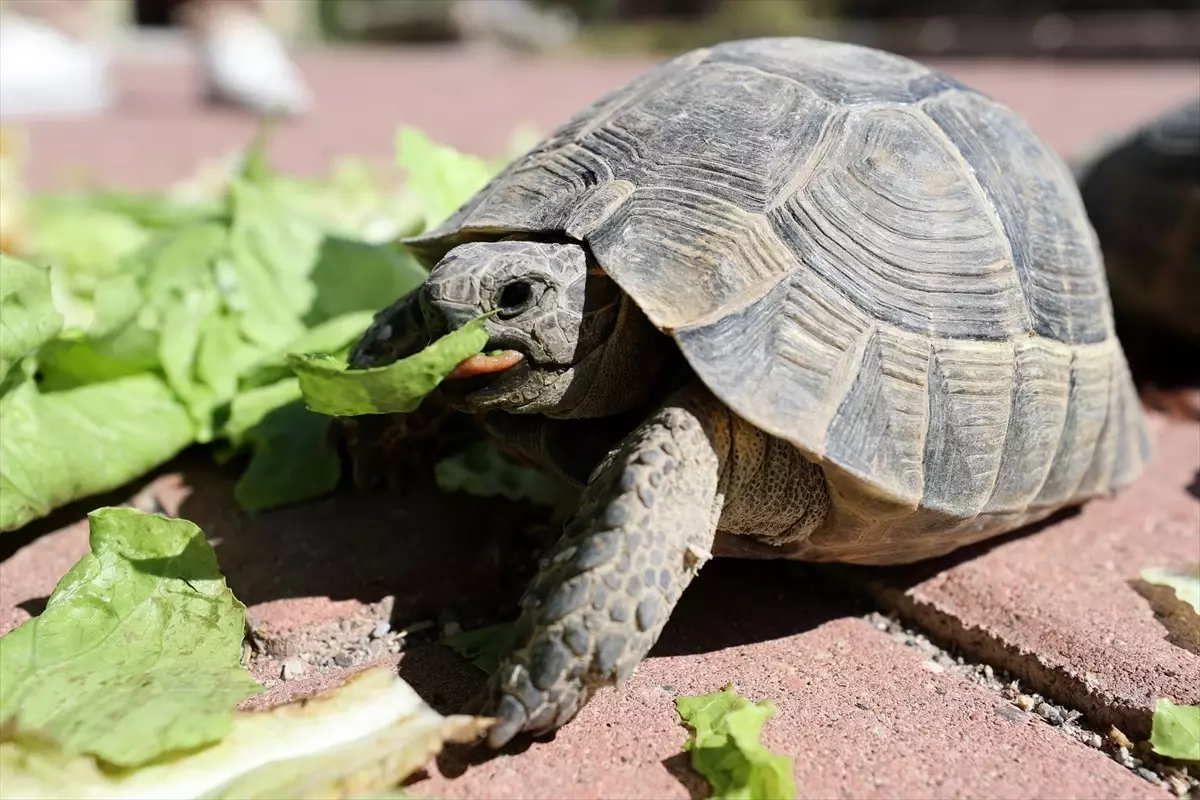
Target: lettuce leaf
<point x="726" y="748"/>
<point x="137" y="653"/>
<point x="357" y="740"/>
<point x="61" y="446"/>
<point x="1175" y="730"/>
<point x="27" y="315"/>
<point x="331" y="387"/>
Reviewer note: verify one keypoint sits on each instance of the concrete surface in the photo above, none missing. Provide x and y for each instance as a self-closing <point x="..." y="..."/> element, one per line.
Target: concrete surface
<point x="862" y="714"/>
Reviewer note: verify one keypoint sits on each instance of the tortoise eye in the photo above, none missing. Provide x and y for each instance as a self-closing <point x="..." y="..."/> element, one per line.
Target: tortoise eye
<point x="515" y="296"/>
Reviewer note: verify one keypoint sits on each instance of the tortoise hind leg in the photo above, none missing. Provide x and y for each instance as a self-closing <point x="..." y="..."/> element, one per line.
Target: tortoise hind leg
<point x="644" y="527"/>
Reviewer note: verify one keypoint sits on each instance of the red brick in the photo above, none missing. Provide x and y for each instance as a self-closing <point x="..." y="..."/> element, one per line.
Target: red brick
<point x="1057" y="606"/>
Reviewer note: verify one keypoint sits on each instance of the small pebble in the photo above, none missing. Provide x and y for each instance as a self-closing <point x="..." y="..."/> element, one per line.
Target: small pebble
<point x="988" y="672"/>
<point x="1119" y="739"/>
<point x="292" y="669"/>
<point x="343" y="659"/>
<point x="1148" y="775"/>
<point x="1178" y="785"/>
<point x="1094" y="740"/>
<point x="1026" y="703"/>
<point x="1049" y="713"/>
<point x="381" y="630"/>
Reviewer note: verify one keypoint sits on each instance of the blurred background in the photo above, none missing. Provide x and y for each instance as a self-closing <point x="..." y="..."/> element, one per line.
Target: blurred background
<point x="470" y="72"/>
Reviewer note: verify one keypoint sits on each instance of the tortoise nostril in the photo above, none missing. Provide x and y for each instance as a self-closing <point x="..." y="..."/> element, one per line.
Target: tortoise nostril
<point x="515" y="295"/>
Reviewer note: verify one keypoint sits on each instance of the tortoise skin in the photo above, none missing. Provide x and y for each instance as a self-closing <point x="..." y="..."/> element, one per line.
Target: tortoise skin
<point x="863" y="258"/>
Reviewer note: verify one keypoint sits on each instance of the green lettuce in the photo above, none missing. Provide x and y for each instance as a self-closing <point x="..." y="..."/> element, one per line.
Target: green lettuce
<point x="1175" y="730"/>
<point x="61" y="446"/>
<point x="147" y="305"/>
<point x="28" y="318"/>
<point x="137" y="653"/>
<point x="484" y="647"/>
<point x="726" y="748"/>
<point x="331" y="387"/>
<point x="292" y="458"/>
<point x="439" y="177"/>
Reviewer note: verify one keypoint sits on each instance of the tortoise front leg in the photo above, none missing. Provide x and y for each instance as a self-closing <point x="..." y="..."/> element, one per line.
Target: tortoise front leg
<point x="644" y="528"/>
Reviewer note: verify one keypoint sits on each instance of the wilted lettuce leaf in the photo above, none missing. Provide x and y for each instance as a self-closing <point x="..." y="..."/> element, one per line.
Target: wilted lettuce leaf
<point x="27" y="315"/>
<point x="330" y="387"/>
<point x="726" y="748"/>
<point x="60" y="446"/>
<point x="137" y="653"/>
<point x="440" y="177"/>
<point x="1175" y="730"/>
<point x="484" y="647"/>
<point x="357" y="740"/>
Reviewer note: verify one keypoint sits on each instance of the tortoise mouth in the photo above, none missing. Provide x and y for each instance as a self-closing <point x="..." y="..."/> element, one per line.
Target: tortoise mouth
<point x="508" y="381"/>
<point x="508" y="389"/>
<point x="485" y="364"/>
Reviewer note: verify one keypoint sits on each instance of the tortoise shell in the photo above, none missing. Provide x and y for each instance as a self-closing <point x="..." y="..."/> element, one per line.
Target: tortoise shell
<point x="863" y="257"/>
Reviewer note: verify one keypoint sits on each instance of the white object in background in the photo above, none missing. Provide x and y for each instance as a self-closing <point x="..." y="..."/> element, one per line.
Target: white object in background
<point x="46" y="73"/>
<point x="245" y="64"/>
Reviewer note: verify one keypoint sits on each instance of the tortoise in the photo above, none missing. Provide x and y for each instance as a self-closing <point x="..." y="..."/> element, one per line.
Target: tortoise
<point x="777" y="298"/>
<point x="1142" y="195"/>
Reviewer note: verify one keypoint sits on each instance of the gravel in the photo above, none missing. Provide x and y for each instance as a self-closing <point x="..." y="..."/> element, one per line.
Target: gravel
<point x="1069" y="721"/>
<point x="292" y="669"/>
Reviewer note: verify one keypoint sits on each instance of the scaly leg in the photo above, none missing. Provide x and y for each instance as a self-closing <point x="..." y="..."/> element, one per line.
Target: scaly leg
<point x="644" y="528"/>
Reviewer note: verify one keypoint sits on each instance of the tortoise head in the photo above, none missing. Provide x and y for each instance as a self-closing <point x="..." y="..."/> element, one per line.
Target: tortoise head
<point x="573" y="326"/>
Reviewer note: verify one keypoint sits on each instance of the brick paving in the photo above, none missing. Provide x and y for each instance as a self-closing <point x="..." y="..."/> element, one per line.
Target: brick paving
<point x="862" y="714"/>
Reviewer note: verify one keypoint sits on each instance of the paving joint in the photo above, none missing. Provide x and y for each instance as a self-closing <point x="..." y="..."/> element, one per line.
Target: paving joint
<point x="942" y="655"/>
<point x="979" y="644"/>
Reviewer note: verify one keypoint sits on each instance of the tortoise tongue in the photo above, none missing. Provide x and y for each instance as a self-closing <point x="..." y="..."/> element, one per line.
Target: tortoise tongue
<point x="485" y="364"/>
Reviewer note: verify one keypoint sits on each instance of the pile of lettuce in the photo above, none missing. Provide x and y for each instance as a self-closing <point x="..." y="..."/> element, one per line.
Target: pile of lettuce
<point x="137" y="325"/>
<point x="134" y="326"/>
